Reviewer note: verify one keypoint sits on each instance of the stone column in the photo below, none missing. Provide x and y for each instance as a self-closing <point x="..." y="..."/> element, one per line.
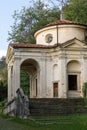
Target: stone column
<point x="16" y="75"/>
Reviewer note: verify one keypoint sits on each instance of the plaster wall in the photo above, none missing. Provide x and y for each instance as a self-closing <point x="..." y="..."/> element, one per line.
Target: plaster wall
<point x="69" y="32"/>
<point x="60" y="33"/>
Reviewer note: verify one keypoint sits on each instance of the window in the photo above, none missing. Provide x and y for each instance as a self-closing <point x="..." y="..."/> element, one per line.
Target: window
<point x="49" y="38"/>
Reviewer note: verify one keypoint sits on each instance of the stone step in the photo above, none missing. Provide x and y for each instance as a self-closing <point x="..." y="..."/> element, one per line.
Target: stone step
<point x="37" y="112"/>
<point x="60" y="102"/>
<point x="57" y="106"/>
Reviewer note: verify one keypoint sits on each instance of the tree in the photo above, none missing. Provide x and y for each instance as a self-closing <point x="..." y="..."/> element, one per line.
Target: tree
<point x="3" y="71"/>
<point x="3" y="80"/>
<point x="76" y="10"/>
<point x="29" y="20"/>
<point x="3" y="91"/>
<point x="4" y="77"/>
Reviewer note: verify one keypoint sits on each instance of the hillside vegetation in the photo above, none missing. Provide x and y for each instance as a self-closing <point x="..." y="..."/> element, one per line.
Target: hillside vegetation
<point x="3" y="79"/>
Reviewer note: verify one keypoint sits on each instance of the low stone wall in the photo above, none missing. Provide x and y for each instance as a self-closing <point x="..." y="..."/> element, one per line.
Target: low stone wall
<point x="10" y="107"/>
<point x="19" y="106"/>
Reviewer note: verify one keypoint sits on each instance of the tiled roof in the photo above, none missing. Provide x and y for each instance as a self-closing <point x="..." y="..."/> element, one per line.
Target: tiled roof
<point x="21" y="45"/>
<point x="61" y="22"/>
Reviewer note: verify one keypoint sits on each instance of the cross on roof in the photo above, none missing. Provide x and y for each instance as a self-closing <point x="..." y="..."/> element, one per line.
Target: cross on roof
<point x="62" y="2"/>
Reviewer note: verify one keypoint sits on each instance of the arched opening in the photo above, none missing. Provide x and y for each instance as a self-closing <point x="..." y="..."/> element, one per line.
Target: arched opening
<point x="74" y="78"/>
<point x="30" y="77"/>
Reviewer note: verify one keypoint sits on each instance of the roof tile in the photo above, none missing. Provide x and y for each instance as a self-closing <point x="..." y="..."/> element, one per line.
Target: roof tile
<point x="22" y="45"/>
<point x="61" y="22"/>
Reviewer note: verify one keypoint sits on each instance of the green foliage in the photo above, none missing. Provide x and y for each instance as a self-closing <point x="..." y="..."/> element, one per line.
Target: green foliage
<point x="76" y="10"/>
<point x="3" y="81"/>
<point x="25" y="82"/>
<point x="29" y="20"/>
<point x="85" y="89"/>
<point x="3" y="91"/>
<point x="2" y="64"/>
<point x="2" y="103"/>
<point x="4" y="77"/>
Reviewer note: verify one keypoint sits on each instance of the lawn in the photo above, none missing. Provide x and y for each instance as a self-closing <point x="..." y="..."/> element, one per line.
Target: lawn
<point x="72" y="122"/>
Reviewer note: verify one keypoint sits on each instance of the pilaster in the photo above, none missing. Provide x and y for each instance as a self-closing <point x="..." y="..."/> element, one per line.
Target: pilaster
<point x="9" y="83"/>
<point x="43" y="78"/>
<point x="63" y="77"/>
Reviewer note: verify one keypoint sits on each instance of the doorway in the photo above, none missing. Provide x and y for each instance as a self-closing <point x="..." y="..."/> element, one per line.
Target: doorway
<point x="72" y="82"/>
<point x="74" y="79"/>
<point x="55" y="89"/>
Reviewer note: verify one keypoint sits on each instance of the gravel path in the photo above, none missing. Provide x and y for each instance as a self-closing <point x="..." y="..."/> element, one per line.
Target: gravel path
<point x="6" y="124"/>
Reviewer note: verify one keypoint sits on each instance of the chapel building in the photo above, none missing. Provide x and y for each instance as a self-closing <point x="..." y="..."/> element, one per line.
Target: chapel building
<point x="56" y="64"/>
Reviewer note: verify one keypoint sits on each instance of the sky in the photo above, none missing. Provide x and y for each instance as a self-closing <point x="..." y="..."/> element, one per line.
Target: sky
<point x="7" y="8"/>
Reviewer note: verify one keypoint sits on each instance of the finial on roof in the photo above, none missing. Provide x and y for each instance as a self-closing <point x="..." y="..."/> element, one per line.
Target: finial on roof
<point x="62" y="16"/>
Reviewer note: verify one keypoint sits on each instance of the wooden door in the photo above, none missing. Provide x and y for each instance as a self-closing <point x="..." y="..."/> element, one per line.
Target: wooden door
<point x="55" y="89"/>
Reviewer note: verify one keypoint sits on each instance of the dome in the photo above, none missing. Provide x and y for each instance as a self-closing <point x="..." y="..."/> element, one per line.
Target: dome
<point x="60" y="31"/>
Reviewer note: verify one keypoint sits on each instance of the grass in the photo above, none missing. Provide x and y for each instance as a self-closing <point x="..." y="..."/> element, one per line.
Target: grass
<point x="72" y="122"/>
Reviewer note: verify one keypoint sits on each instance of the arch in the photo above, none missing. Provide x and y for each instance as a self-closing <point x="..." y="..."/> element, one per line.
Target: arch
<point x="30" y="61"/>
<point x="73" y="66"/>
<point x="31" y="66"/>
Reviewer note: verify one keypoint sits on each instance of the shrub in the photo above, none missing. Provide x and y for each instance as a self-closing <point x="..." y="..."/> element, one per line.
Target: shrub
<point x="85" y="89"/>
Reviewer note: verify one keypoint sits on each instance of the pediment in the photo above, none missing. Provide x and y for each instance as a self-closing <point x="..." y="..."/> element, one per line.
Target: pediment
<point x="74" y="43"/>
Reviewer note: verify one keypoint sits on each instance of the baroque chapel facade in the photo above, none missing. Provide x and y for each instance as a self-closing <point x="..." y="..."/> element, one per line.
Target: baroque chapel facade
<point x="56" y="64"/>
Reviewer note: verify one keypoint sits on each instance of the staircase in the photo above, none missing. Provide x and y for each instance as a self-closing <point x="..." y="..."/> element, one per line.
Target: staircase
<point x="55" y="106"/>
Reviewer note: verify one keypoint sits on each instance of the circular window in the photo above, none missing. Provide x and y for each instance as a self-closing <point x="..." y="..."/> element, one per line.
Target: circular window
<point x="49" y="38"/>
